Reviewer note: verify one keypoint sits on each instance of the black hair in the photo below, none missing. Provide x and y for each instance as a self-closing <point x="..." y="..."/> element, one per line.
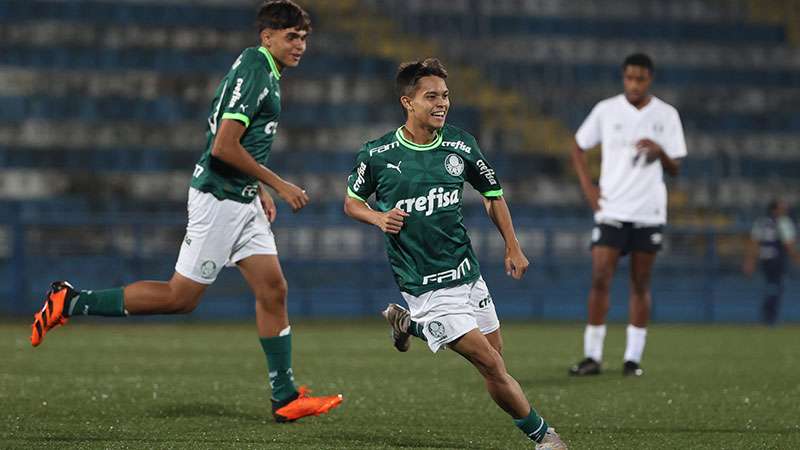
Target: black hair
<point x="772" y="206"/>
<point x="409" y="73"/>
<point x="282" y="14"/>
<point x="640" y="60"/>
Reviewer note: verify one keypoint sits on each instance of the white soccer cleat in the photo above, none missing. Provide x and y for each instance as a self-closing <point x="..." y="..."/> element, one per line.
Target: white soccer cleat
<point x="551" y="441"/>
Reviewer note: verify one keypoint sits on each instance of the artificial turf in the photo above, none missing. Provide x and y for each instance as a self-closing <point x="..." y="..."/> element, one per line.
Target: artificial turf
<point x="119" y="384"/>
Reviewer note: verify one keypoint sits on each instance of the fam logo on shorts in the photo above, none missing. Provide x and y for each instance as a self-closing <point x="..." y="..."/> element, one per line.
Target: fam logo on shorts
<point x="207" y="269"/>
<point x="656" y="238"/>
<point x="436" y="329"/>
<point x="454" y="164"/>
<point x="596" y="234"/>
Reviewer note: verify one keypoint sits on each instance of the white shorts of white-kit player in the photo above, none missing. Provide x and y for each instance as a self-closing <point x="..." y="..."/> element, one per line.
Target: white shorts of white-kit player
<point x="449" y="313"/>
<point x="221" y="233"/>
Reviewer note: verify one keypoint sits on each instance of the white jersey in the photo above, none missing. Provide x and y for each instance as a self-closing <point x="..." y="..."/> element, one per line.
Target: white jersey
<point x="631" y="189"/>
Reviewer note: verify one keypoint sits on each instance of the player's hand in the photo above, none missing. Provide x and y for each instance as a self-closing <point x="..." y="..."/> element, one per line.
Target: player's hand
<point x="268" y="204"/>
<point x="516" y="263"/>
<point x="391" y="221"/>
<point x="649" y="149"/>
<point x="293" y="195"/>
<point x="593" y="197"/>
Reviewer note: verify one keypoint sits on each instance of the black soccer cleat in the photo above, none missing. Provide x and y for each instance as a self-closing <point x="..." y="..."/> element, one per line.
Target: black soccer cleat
<point x="633" y="369"/>
<point x="586" y="367"/>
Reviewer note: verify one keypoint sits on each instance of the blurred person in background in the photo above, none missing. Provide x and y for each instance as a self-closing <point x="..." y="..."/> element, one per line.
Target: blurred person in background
<point x="772" y="243"/>
<point x="641" y="138"/>
<point x="230" y="213"/>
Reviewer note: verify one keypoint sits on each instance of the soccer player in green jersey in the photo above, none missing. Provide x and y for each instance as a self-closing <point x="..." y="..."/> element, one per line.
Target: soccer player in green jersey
<point x="417" y="174"/>
<point x="229" y="214"/>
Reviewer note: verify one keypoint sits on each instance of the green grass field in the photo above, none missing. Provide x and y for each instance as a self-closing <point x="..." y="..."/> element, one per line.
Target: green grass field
<point x="184" y="385"/>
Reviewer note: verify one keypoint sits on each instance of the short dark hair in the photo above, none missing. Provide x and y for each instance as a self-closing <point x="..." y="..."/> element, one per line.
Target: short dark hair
<point x="773" y="205"/>
<point x="640" y="60"/>
<point x="409" y="73"/>
<point x="282" y="14"/>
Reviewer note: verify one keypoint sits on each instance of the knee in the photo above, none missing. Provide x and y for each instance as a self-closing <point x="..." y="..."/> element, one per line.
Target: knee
<point x="182" y="304"/>
<point x="491" y="365"/>
<point x="601" y="281"/>
<point x="272" y="292"/>
<point x="640" y="286"/>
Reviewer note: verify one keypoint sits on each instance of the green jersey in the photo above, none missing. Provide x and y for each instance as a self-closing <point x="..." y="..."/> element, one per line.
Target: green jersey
<point x="249" y="93"/>
<point x="432" y="250"/>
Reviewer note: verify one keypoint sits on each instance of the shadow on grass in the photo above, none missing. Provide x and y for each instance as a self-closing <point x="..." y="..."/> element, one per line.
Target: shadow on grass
<point x="667" y="430"/>
<point x="205" y="409"/>
<point x="352" y="438"/>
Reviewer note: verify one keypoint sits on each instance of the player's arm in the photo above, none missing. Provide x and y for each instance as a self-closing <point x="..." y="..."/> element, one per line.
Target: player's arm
<point x="516" y="263"/>
<point x="228" y="148"/>
<point x="389" y="222"/>
<point x="653" y="151"/>
<point x="590" y="190"/>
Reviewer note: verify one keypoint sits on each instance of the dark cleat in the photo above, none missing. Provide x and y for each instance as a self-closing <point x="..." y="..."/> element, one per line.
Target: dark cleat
<point x="586" y="367"/>
<point x="631" y="368"/>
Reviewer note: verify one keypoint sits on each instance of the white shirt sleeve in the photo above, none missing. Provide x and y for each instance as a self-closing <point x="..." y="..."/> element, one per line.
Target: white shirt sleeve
<point x="591" y="132"/>
<point x="676" y="145"/>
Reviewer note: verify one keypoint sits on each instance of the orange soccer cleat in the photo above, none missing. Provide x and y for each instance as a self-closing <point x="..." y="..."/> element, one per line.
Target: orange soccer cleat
<point x="304" y="405"/>
<point x="54" y="312"/>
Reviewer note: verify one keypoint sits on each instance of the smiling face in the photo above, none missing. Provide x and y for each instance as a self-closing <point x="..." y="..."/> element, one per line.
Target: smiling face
<point x="287" y="46"/>
<point x="428" y="104"/>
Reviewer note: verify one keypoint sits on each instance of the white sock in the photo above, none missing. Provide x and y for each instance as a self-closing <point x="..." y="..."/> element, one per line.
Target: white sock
<point x="634" y="346"/>
<point x="285" y="331"/>
<point x="593" y="339"/>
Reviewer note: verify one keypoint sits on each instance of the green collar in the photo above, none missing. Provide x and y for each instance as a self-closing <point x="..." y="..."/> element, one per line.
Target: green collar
<point x="437" y="141"/>
<point x="272" y="65"/>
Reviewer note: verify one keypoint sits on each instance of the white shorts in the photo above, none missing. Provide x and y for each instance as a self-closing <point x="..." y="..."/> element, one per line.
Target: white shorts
<point x="221" y="233"/>
<point x="449" y="313"/>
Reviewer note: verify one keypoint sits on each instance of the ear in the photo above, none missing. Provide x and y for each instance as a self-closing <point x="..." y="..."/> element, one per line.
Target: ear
<point x="266" y="37"/>
<point x="406" y="102"/>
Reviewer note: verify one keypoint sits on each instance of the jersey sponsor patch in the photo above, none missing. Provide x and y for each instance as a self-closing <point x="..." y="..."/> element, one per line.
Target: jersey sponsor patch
<point x="448" y="275"/>
<point x="436" y="198"/>
<point x="485" y="171"/>
<point x="383" y="148"/>
<point x="458" y="145"/>
<point x="237" y="93"/>
<point x="362" y="168"/>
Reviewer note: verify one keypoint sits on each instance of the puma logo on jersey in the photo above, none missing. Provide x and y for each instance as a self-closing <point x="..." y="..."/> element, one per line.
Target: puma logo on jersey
<point x="436" y="198"/>
<point x="396" y="167"/>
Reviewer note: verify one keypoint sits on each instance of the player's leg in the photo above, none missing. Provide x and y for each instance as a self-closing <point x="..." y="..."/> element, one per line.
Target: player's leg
<point x="502" y="387"/>
<point x="264" y="275"/>
<point x="639" y="310"/>
<point x="773" y="273"/>
<point x="179" y="295"/>
<point x="604" y="265"/>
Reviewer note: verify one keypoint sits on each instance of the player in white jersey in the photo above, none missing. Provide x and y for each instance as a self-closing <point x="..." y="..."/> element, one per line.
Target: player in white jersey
<point x="641" y="138"/>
